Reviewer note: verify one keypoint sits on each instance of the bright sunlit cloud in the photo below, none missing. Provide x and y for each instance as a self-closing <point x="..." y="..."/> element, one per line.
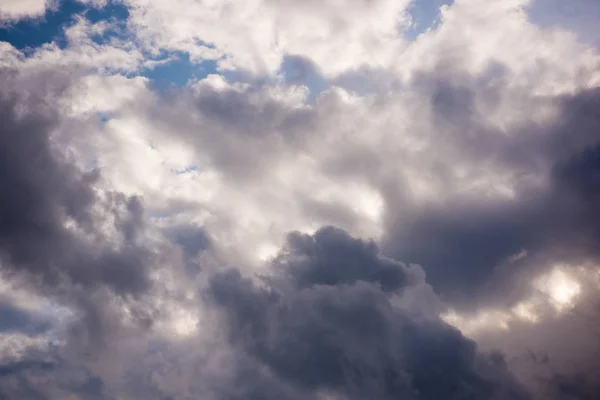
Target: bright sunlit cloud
<point x="561" y="288"/>
<point x="557" y="288"/>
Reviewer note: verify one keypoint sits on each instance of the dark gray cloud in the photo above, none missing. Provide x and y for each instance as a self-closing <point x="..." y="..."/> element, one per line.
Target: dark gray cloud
<point x="237" y="125"/>
<point x="41" y="191"/>
<point x="193" y="240"/>
<point x="66" y="240"/>
<point x="328" y="323"/>
<point x="576" y="386"/>
<point x="333" y="257"/>
<point x="49" y="377"/>
<point x="466" y="241"/>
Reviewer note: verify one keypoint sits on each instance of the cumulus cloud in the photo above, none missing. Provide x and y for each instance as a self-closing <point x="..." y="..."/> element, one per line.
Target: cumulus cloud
<point x="13" y="10"/>
<point x="47" y="206"/>
<point x="180" y="243"/>
<point x="84" y="249"/>
<point x="311" y="328"/>
<point x="256" y="35"/>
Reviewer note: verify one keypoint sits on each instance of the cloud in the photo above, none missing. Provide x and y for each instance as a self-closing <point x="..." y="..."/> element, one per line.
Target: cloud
<point x="15" y="319"/>
<point x="42" y="192"/>
<point x="256" y="36"/>
<point x="465" y="240"/>
<point x="172" y="244"/>
<point x="310" y="329"/>
<point x="63" y="237"/>
<point x="331" y="257"/>
<point x="49" y="379"/>
<point x="554" y="367"/>
<point x="13" y="10"/>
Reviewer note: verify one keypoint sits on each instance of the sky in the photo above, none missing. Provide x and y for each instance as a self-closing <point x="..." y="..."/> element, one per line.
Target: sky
<point x="304" y="200"/>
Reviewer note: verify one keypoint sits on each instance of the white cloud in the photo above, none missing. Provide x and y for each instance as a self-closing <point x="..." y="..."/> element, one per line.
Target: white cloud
<point x="251" y="163"/>
<point x="83" y="52"/>
<point x="13" y="10"/>
<point x="338" y="35"/>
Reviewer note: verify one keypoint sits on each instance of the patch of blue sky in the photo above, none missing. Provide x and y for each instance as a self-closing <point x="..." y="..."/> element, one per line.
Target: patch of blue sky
<point x="425" y="15"/>
<point x="185" y="170"/>
<point x="177" y="70"/>
<point x="103" y="118"/>
<point x="581" y="17"/>
<point x="297" y="70"/>
<point x="116" y="15"/>
<point x="28" y="34"/>
<point x="32" y="33"/>
<point x="113" y="10"/>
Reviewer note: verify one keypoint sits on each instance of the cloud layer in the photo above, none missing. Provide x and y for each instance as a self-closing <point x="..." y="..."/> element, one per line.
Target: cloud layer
<point x="333" y="206"/>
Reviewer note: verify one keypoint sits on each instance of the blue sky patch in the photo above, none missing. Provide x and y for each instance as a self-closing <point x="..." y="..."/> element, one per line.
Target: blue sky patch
<point x="297" y="70"/>
<point x="36" y="32"/>
<point x="178" y="71"/>
<point x="28" y="34"/>
<point x="31" y="33"/>
<point x="425" y="15"/>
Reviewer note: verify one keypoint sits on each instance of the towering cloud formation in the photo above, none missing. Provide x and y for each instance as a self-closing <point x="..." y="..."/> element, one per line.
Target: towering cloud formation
<point x="334" y="323"/>
<point x="47" y="206"/>
<point x="330" y="207"/>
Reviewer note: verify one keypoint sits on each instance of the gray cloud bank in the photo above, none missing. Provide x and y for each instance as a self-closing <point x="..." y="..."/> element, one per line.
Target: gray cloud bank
<point x="329" y="325"/>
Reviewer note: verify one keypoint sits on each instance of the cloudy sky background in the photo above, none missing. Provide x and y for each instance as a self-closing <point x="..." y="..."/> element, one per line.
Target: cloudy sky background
<point x="285" y="199"/>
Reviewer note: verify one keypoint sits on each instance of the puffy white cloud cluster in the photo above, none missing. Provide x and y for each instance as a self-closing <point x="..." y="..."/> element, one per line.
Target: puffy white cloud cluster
<point x="13" y="10"/>
<point x="337" y="35"/>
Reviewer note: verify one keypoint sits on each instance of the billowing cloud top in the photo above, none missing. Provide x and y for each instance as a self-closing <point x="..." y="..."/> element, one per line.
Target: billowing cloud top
<point x="284" y="199"/>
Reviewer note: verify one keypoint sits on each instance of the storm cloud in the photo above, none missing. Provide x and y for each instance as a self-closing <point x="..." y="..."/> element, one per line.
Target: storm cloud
<point x="330" y="325"/>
